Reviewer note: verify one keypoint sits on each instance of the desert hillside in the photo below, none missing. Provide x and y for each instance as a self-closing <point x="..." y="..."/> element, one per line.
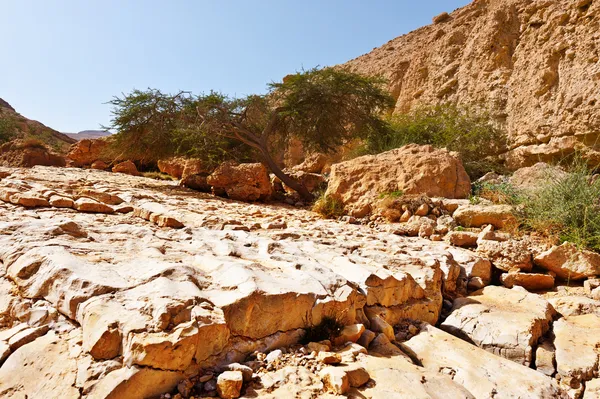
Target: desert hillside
<point x="534" y="64"/>
<point x="25" y="128"/>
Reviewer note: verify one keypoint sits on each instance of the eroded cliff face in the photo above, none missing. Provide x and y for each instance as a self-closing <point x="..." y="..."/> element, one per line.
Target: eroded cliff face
<point x="534" y="64"/>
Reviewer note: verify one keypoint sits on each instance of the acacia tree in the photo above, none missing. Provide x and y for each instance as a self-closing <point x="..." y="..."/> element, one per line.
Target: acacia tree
<point x="323" y="108"/>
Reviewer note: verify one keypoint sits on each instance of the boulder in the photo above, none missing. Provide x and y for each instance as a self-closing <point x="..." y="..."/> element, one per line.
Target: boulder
<point x="99" y="165"/>
<point x="194" y="175"/>
<point x="483" y="374"/>
<point x="312" y="181"/>
<point x="529" y="281"/>
<point x="506" y="255"/>
<point x="462" y="238"/>
<point x="126" y="167"/>
<point x="229" y="384"/>
<point x="28" y="153"/>
<point x="412" y="169"/>
<point x="86" y="152"/>
<point x="44" y="368"/>
<point x="478" y="215"/>
<point x="536" y="176"/>
<point x="573" y="305"/>
<point x="577" y="339"/>
<point x="243" y="182"/>
<point x="172" y="166"/>
<point x="569" y="263"/>
<point x="505" y="322"/>
<point x="314" y="163"/>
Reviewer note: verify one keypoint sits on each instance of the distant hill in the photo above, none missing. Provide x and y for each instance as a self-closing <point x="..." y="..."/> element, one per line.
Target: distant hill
<point x="20" y="127"/>
<point x="88" y="134"/>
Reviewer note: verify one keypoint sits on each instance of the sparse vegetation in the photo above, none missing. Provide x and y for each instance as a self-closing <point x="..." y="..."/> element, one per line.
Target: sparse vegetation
<point x="498" y="193"/>
<point x="322" y="108"/>
<point x="468" y="131"/>
<point x="31" y="143"/>
<point x="568" y="208"/>
<point x="328" y="206"/>
<point x="392" y="194"/>
<point x="8" y="129"/>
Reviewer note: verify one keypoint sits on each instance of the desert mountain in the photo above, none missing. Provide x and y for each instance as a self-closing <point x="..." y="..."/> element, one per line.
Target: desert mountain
<point x="534" y="64"/>
<point x="88" y="134"/>
<point x="29" y="129"/>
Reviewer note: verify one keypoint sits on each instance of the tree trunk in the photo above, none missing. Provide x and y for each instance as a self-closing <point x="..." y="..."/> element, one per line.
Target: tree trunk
<point x="287" y="180"/>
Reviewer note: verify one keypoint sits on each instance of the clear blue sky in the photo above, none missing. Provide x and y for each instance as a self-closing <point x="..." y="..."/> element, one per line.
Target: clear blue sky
<point x="62" y="59"/>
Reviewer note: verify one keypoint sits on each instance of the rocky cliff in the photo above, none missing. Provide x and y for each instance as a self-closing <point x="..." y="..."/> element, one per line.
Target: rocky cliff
<point x="535" y="64"/>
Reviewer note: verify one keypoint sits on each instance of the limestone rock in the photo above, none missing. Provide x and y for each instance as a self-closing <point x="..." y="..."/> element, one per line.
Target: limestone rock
<point x="535" y="176"/>
<point x="569" y="263"/>
<point x="349" y="333"/>
<point x="505" y="322"/>
<point x="506" y="255"/>
<point x="126" y="167"/>
<point x="575" y="305"/>
<point x="478" y="215"/>
<point x="411" y="169"/>
<point x="335" y="380"/>
<point x="462" y="238"/>
<point x="89" y="205"/>
<point x="87" y="151"/>
<point x="229" y="384"/>
<point x="529" y="281"/>
<point x="480" y="372"/>
<point x="576" y="342"/>
<point x="244" y="182"/>
<point x="172" y="166"/>
<point x="41" y="369"/>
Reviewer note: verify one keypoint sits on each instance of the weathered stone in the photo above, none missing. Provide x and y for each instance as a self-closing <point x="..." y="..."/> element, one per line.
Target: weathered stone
<point x="411" y="169"/>
<point x="575" y="305"/>
<point x="529" y="281"/>
<point x="505" y="322"/>
<point x="506" y="255"/>
<point x="126" y="167"/>
<point x="329" y="358"/>
<point x="40" y="369"/>
<point x="92" y="206"/>
<point x="483" y="374"/>
<point x="462" y="238"/>
<point x="545" y="359"/>
<point x="569" y="263"/>
<point x="499" y="216"/>
<point x="229" y="384"/>
<point x="58" y="201"/>
<point x="349" y="333"/>
<point x="244" y="182"/>
<point x="335" y="380"/>
<point x="576" y="342"/>
<point x="536" y="176"/>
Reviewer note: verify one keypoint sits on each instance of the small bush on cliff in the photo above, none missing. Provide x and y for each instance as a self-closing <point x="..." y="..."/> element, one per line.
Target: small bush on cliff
<point x="470" y="132"/>
<point x="322" y="108"/>
<point x="568" y="208"/>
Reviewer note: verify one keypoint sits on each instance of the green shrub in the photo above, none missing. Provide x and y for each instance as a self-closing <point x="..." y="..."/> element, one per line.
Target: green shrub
<point x="498" y="193"/>
<point x="328" y="206"/>
<point x="392" y="194"/>
<point x="470" y="132"/>
<point x="568" y="208"/>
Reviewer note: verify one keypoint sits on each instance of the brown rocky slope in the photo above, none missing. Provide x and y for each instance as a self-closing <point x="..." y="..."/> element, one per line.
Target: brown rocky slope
<point x="26" y="129"/>
<point x="534" y="64"/>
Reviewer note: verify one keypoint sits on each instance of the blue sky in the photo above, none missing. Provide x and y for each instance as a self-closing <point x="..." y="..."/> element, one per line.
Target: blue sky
<point x="63" y="59"/>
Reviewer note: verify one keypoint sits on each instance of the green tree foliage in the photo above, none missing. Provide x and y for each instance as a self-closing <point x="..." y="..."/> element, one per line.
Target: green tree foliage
<point x="469" y="132"/>
<point x="323" y="108"/>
